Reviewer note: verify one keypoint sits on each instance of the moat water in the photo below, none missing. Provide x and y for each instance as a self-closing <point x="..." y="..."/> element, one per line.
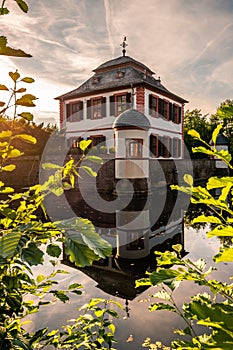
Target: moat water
<point x="160" y="223"/>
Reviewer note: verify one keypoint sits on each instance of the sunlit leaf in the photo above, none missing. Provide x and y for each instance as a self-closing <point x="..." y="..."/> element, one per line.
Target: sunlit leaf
<point x="14" y="75"/>
<point x="194" y="134"/>
<point x="215" y="133"/>
<point x="204" y="218"/>
<point x="225" y="256"/>
<point x="3" y="87"/>
<point x="162" y="295"/>
<point x="26" y="115"/>
<point x="2" y="104"/>
<point x="9" y="167"/>
<point x="26" y="100"/>
<point x="163" y="276"/>
<point x="5" y="134"/>
<point x="226" y="231"/>
<point x="161" y="306"/>
<point x="188" y="179"/>
<point x="28" y="80"/>
<point x="27" y="138"/>
<point x="84" y="144"/>
<point x="88" y="170"/>
<point x="50" y="166"/>
<point x="15" y="153"/>
<point x="21" y="90"/>
<point x="94" y="159"/>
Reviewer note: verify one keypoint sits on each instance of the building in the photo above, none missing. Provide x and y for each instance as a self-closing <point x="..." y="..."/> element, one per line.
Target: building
<point x="123" y="83"/>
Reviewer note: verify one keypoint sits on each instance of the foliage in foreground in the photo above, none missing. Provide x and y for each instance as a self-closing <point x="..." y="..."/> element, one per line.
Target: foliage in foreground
<point x="214" y="309"/>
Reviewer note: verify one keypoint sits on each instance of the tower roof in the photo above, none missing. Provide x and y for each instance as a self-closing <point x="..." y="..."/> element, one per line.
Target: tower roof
<point x="131" y="118"/>
<point x="220" y="141"/>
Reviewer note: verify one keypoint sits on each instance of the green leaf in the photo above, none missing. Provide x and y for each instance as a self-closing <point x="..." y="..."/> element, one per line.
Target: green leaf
<point x="32" y="255"/>
<point x="84" y="144"/>
<point x="53" y="250"/>
<point x="50" y="166"/>
<point x="27" y="138"/>
<point x="226" y="231"/>
<point x="3" y="87"/>
<point x="177" y="247"/>
<point x="161" y="306"/>
<point x="9" y="243"/>
<point x="210" y="219"/>
<point x="15" y="153"/>
<point x="215" y="133"/>
<point x="161" y="295"/>
<point x="88" y="170"/>
<point x="4" y="11"/>
<point x="216" y="182"/>
<point x="82" y="243"/>
<point x="94" y="159"/>
<point x="26" y="115"/>
<point x="163" y="276"/>
<point x="26" y="100"/>
<point x="40" y="278"/>
<point x="225" y="256"/>
<point x="14" y="75"/>
<point x="194" y="134"/>
<point x="188" y="179"/>
<point x="28" y="80"/>
<point x="60" y="295"/>
<point x="21" y="90"/>
<point x="9" y="167"/>
<point x="22" y="5"/>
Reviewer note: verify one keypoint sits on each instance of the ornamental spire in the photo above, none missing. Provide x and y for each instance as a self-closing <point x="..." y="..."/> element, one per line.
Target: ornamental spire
<point x="124" y="46"/>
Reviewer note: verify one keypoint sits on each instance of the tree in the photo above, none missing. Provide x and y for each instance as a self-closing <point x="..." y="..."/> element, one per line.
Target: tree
<point x="195" y="120"/>
<point x="224" y="117"/>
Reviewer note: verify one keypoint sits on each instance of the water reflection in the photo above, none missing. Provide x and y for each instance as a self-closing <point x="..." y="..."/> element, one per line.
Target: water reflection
<point x="135" y="233"/>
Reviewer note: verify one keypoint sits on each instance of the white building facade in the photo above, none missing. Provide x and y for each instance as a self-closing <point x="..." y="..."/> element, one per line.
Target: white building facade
<point x="116" y="86"/>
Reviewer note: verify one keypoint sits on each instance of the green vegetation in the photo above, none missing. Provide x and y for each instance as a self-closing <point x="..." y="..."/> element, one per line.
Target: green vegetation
<point x="212" y="310"/>
<point x="25" y="239"/>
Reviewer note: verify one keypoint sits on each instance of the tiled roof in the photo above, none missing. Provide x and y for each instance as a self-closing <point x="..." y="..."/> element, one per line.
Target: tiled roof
<point x="131" y="118"/>
<point x="107" y="79"/>
<point x="122" y="60"/>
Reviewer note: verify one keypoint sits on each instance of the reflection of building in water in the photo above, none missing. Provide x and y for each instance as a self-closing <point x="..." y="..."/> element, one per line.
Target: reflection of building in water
<point x="138" y="232"/>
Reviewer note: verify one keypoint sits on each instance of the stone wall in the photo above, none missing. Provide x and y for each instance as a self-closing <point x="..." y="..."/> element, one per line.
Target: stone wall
<point x="168" y="171"/>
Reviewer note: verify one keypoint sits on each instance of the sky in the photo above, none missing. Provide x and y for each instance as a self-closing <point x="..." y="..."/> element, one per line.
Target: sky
<point x="188" y="43"/>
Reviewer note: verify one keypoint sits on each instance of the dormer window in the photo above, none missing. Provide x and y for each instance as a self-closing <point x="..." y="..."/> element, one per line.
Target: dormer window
<point x="119" y="74"/>
<point x="95" y="80"/>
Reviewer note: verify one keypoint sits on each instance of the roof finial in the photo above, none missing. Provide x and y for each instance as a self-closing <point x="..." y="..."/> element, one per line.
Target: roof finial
<point x="124" y="46"/>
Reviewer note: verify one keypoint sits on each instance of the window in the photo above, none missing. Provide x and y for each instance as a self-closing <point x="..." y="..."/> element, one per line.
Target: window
<point x="153" y="106"/>
<point x="176" y="114"/>
<point x="166" y="110"/>
<point x="98" y="140"/>
<point x="164" y="146"/>
<point x="119" y="103"/>
<point x="154" y="145"/>
<point x="96" y="108"/>
<point x="134" y="148"/>
<point x="176" y="148"/>
<point x="74" y="111"/>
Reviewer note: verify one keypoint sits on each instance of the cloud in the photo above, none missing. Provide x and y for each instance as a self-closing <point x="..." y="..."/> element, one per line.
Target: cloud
<point x="187" y="43"/>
